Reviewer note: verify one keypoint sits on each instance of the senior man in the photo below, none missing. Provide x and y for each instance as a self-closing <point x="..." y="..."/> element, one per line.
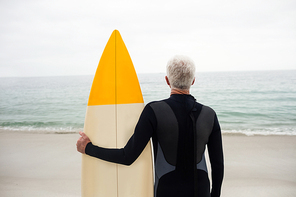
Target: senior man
<point x="180" y="129"/>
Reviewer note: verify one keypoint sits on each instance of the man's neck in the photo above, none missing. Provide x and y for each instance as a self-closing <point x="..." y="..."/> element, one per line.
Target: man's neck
<point x="177" y="91"/>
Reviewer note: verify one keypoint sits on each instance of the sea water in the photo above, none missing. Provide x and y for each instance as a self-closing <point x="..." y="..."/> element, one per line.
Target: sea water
<point x="254" y="102"/>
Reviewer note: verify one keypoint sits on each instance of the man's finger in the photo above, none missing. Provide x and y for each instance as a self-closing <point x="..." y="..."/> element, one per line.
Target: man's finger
<point x="82" y="134"/>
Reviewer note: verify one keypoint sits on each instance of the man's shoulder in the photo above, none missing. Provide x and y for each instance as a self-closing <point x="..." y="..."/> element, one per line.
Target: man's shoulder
<point x="207" y="111"/>
<point x="157" y="102"/>
<point x="158" y="106"/>
<point x="206" y="108"/>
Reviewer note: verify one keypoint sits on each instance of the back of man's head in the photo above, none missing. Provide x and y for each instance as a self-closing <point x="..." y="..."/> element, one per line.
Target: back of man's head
<point x="180" y="72"/>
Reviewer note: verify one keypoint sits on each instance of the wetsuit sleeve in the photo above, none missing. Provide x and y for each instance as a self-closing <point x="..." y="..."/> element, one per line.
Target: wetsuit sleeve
<point x="216" y="158"/>
<point x="136" y="144"/>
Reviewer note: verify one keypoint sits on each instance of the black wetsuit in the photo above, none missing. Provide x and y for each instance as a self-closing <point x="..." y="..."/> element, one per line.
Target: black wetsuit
<point x="178" y="143"/>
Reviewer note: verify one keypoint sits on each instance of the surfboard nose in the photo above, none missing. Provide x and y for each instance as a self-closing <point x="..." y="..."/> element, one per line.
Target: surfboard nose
<point x="115" y="81"/>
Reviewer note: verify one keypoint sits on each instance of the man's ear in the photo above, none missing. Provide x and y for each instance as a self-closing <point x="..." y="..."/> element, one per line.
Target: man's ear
<point x="167" y="81"/>
<point x="193" y="81"/>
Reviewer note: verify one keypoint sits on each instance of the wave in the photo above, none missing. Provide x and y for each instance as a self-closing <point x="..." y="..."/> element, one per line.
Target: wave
<point x="264" y="132"/>
<point x="41" y="127"/>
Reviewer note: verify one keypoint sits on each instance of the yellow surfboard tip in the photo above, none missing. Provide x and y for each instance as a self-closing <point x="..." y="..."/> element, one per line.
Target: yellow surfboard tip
<point x="115" y="81"/>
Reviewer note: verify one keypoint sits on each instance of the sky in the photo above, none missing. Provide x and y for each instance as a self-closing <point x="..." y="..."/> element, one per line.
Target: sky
<point x="59" y="37"/>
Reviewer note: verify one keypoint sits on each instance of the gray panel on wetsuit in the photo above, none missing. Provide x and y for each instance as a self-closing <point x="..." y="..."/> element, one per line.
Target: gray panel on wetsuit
<point x="162" y="167"/>
<point x="204" y="127"/>
<point x="202" y="164"/>
<point x="167" y="130"/>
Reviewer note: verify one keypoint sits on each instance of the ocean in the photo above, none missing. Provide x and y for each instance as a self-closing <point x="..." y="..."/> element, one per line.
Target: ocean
<point x="251" y="103"/>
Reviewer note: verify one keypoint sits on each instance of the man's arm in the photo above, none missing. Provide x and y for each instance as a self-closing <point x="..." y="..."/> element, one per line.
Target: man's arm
<point x="133" y="148"/>
<point x="216" y="158"/>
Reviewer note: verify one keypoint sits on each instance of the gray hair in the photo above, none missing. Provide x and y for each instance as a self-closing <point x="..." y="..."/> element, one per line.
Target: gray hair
<point x="180" y="72"/>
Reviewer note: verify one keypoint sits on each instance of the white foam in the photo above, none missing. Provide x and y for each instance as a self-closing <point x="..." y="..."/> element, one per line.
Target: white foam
<point x="269" y="131"/>
<point x="30" y="129"/>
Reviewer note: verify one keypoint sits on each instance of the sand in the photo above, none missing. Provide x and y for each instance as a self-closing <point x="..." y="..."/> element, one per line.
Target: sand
<point x="49" y="165"/>
<point x="262" y="166"/>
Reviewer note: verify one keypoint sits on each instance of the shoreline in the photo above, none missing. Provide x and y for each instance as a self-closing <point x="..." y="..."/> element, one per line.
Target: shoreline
<point x="47" y="164"/>
<point x="46" y="131"/>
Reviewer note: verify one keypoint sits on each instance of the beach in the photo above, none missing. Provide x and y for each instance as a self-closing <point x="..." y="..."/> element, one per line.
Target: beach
<point x="47" y="164"/>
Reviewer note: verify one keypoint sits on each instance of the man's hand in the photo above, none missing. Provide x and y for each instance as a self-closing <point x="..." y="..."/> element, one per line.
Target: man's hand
<point x="82" y="142"/>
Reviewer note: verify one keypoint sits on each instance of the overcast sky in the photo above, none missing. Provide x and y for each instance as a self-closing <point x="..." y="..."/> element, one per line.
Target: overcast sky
<point x="47" y="38"/>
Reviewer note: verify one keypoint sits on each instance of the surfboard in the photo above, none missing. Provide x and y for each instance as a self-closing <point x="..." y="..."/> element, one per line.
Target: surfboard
<point x="114" y="106"/>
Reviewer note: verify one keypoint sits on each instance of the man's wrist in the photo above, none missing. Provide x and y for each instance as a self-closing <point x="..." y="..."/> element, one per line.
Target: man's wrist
<point x="88" y="147"/>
